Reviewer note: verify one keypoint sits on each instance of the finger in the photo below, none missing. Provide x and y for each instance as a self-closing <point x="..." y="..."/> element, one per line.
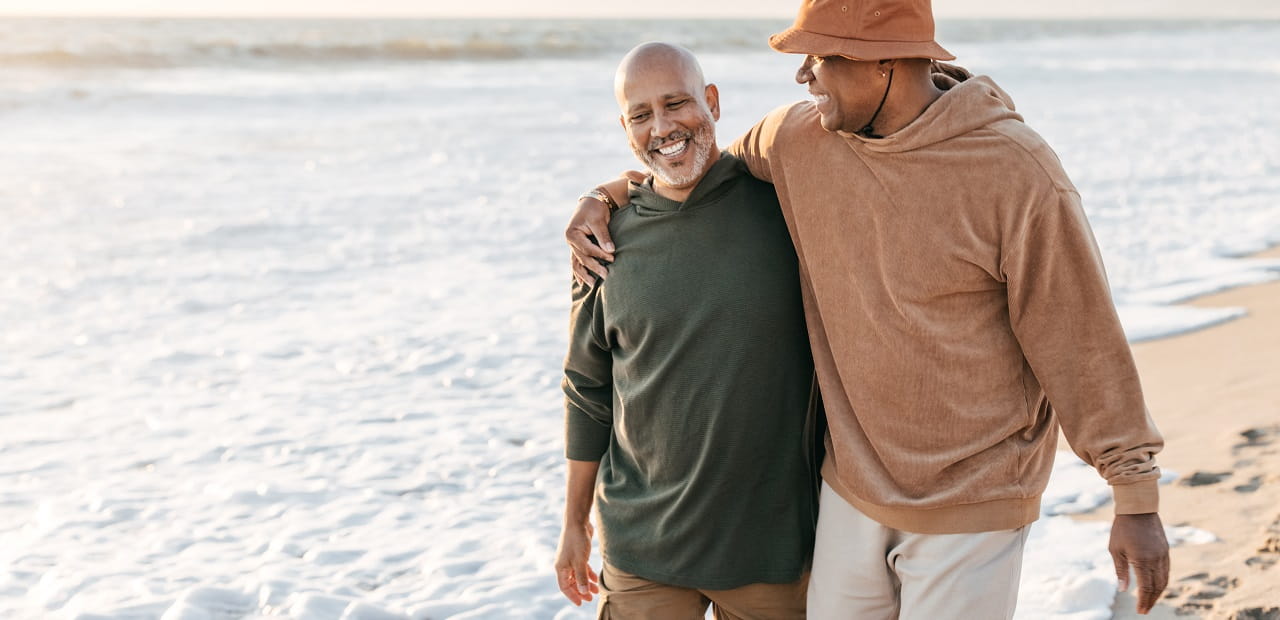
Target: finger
<point x="600" y="230"/>
<point x="1147" y="593"/>
<point x="588" y="269"/>
<point x="572" y="595"/>
<point x="1152" y="580"/>
<point x="587" y="273"/>
<point x="584" y="585"/>
<point x="635" y="175"/>
<point x="1122" y="570"/>
<point x="580" y="273"/>
<point x="564" y="578"/>
<point x="1162" y="573"/>
<point x="582" y="246"/>
<point x="597" y="268"/>
<point x="593" y="579"/>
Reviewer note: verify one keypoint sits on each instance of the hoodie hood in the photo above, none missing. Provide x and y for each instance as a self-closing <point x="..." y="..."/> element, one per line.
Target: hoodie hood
<point x="963" y="107"/>
<point x="710" y="188"/>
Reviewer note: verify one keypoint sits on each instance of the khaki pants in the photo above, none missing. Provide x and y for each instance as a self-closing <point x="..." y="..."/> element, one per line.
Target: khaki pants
<point x="624" y="596"/>
<point x="865" y="571"/>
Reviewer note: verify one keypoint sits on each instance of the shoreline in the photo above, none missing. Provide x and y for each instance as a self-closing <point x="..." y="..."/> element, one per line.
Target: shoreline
<point x="1215" y="395"/>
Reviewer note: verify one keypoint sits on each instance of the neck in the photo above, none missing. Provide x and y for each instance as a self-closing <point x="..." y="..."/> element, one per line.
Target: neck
<point x="912" y="93"/>
<point x="681" y="194"/>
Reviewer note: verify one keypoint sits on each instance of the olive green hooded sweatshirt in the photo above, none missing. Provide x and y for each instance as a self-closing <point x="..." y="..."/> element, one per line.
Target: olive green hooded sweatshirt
<point x="689" y="378"/>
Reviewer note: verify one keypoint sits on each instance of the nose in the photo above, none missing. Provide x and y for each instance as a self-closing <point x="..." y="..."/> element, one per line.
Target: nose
<point x="663" y="124"/>
<point x="804" y="74"/>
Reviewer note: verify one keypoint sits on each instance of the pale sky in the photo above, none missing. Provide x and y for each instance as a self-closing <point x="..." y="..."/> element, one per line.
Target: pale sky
<point x="638" y="9"/>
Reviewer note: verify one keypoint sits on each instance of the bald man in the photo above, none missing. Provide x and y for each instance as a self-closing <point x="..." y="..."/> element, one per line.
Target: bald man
<point x="688" y="379"/>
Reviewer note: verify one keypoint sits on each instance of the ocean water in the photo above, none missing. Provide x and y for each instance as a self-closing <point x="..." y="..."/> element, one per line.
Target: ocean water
<point x="284" y="301"/>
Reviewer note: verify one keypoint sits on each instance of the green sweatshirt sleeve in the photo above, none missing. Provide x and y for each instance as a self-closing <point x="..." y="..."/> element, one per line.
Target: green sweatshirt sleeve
<point x="588" y="379"/>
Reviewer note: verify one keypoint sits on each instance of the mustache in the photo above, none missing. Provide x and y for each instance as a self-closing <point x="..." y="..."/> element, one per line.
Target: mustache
<point x="675" y="136"/>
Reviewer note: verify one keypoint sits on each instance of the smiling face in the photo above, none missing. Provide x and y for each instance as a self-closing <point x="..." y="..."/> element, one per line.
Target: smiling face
<point x="847" y="92"/>
<point x="669" y="115"/>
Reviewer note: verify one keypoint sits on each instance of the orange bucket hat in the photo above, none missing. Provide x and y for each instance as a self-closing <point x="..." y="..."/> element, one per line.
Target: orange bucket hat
<point x="862" y="30"/>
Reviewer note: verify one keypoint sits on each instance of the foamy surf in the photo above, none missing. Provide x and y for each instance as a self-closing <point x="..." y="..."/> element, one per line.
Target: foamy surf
<point x="130" y="43"/>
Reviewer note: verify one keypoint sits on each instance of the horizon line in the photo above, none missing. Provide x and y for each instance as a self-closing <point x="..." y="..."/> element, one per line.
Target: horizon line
<point x="1216" y="17"/>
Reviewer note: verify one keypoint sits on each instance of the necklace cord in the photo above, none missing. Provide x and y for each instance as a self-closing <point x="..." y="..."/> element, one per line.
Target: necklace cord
<point x="868" y="131"/>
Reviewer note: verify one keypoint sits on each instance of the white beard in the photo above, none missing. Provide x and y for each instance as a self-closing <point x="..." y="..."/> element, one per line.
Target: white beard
<point x="702" y="142"/>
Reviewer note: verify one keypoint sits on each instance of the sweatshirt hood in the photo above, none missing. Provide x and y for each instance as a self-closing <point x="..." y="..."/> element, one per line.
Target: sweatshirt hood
<point x="710" y="188"/>
<point x="963" y="107"/>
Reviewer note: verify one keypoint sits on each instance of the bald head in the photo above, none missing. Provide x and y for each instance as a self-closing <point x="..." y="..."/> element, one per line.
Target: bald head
<point x="669" y="113"/>
<point x="648" y="61"/>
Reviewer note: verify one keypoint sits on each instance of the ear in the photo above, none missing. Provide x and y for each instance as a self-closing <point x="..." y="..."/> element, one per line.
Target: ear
<point x="622" y="120"/>
<point x="712" y="95"/>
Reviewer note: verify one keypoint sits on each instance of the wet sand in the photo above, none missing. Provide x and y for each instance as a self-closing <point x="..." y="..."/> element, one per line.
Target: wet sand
<point x="1215" y="394"/>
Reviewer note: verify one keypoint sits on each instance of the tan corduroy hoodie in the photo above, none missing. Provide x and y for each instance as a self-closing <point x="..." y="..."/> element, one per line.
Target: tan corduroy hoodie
<point x="958" y="313"/>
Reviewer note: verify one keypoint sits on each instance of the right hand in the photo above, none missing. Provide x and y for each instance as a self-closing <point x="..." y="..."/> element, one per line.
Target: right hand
<point x="591" y="219"/>
<point x="1138" y="540"/>
<point x="576" y="579"/>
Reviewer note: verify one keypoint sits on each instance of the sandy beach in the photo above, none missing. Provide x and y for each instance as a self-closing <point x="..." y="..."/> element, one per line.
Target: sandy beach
<point x="1215" y="394"/>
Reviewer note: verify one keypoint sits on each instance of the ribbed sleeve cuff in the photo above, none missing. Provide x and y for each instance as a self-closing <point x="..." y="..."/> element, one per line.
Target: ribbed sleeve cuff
<point x="1137" y="498"/>
<point x="585" y="438"/>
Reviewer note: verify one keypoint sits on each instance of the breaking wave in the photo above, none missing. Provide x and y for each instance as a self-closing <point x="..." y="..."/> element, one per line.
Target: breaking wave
<point x="58" y="44"/>
<point x="44" y="43"/>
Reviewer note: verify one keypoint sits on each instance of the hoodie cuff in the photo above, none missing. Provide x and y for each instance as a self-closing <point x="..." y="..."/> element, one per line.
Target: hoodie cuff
<point x="1137" y="498"/>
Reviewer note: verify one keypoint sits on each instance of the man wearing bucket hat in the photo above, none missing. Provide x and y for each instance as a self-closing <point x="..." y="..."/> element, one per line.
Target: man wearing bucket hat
<point x="959" y="315"/>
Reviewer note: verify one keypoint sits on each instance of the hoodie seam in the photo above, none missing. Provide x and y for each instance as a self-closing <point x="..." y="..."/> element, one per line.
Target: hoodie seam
<point x="1058" y="189"/>
<point x="1034" y="157"/>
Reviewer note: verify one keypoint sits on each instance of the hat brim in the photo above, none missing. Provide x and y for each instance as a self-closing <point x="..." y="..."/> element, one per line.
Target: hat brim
<point x="796" y="41"/>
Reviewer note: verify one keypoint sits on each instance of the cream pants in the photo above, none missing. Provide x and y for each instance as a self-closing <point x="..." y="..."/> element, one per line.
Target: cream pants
<point x="865" y="571"/>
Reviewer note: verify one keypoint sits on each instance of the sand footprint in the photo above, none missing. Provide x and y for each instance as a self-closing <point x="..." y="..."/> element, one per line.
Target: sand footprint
<point x="1205" y="478"/>
<point x="1257" y="438"/>
<point x="1201" y="590"/>
<point x="1269" y="550"/>
<point x="1257" y="613"/>
<point x="1254" y="439"/>
<point x="1252" y="485"/>
<point x="1202" y="593"/>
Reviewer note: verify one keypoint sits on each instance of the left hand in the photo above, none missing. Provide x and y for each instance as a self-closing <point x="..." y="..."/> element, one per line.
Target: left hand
<point x="577" y="581"/>
<point x="1139" y="541"/>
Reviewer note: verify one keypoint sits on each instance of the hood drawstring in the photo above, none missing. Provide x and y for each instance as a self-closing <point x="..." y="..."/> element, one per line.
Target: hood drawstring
<point x="867" y="131"/>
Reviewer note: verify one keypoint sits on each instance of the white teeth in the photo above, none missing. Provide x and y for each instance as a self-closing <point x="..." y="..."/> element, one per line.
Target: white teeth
<point x="673" y="149"/>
